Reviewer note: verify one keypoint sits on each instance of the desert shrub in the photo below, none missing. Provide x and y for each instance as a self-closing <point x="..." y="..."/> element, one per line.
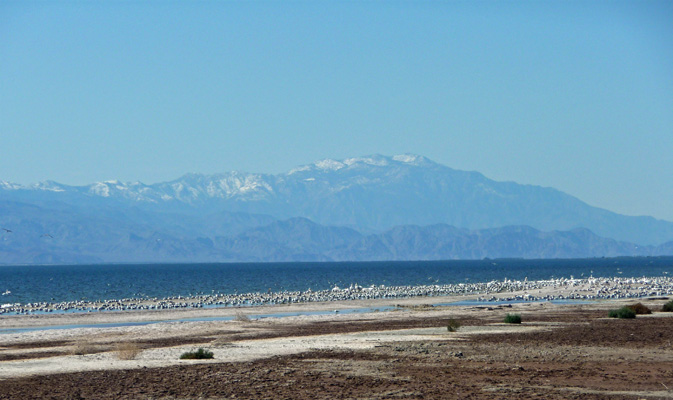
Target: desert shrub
<point x="624" y="312"/>
<point x="199" y="354"/>
<point x="452" y="325"/>
<point x="668" y="307"/>
<point x="513" y="319"/>
<point x="639" y="308"/>
<point x="83" y="347"/>
<point x="127" y="350"/>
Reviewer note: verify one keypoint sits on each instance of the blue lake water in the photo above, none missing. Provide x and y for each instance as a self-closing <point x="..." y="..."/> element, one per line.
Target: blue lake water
<point x="60" y="283"/>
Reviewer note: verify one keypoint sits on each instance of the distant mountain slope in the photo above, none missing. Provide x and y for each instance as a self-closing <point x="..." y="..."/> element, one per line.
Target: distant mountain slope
<point x="368" y="194"/>
<point x="68" y="234"/>
<point x="444" y="242"/>
<point x="296" y="239"/>
<point x="48" y="236"/>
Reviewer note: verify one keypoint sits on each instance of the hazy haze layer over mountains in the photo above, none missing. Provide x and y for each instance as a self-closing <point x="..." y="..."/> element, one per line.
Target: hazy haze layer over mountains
<point x="368" y="208"/>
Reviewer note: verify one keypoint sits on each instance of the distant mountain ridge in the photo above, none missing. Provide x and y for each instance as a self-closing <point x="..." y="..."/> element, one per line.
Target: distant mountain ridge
<point x="364" y="208"/>
<point x="369" y="194"/>
<point x="299" y="239"/>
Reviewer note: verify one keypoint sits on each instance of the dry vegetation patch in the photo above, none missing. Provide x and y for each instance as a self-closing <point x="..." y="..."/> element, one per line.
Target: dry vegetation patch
<point x="83" y="347"/>
<point x="640" y="309"/>
<point x="127" y="350"/>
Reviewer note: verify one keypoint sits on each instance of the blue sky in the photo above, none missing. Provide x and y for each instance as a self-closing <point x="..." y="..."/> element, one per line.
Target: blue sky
<point x="576" y="95"/>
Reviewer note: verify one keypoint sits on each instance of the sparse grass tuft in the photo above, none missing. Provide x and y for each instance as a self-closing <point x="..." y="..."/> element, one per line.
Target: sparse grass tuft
<point x="639" y="308"/>
<point x="221" y="342"/>
<point x="452" y="325"/>
<point x="199" y="354"/>
<point x="127" y="350"/>
<point x="624" y="312"/>
<point x="513" y="319"/>
<point x="240" y="317"/>
<point x="668" y="307"/>
<point x="83" y="347"/>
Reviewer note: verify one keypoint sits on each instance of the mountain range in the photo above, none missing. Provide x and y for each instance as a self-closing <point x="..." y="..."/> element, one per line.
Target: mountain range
<point x="404" y="207"/>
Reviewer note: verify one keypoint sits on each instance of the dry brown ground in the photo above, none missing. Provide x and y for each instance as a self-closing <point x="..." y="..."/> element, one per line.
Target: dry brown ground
<point x="577" y="354"/>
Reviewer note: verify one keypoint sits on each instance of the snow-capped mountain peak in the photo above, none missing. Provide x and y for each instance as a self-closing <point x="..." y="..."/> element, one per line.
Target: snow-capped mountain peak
<point x="329" y="165"/>
<point x="412" y="159"/>
<point x="376" y="160"/>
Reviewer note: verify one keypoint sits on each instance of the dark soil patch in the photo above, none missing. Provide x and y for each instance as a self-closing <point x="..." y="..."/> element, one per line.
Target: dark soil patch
<point x="639" y="332"/>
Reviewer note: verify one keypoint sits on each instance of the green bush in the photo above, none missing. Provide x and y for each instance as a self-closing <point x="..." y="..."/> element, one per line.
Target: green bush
<point x="513" y="319"/>
<point x="624" y="312"/>
<point x="452" y="325"/>
<point x="199" y="354"/>
<point x="668" y="307"/>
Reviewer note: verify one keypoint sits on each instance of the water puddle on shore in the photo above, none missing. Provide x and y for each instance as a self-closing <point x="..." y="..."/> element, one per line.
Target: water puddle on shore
<point x="197" y="319"/>
<point x="505" y="302"/>
<point x="253" y="317"/>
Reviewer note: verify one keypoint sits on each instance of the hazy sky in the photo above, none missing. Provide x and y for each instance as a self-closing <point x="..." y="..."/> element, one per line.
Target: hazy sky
<point x="576" y="95"/>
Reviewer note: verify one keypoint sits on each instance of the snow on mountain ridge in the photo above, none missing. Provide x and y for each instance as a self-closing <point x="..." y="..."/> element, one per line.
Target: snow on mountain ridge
<point x="329" y="164"/>
<point x="10" y="186"/>
<point x="100" y="189"/>
<point x="299" y="169"/>
<point x="50" y="186"/>
<point x="227" y="185"/>
<point x="237" y="185"/>
<point x="135" y="191"/>
<point x="409" y="158"/>
<point x="378" y="161"/>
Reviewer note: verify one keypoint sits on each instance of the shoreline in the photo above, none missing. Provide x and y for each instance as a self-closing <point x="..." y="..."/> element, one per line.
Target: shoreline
<point x="537" y="290"/>
<point x="353" y="300"/>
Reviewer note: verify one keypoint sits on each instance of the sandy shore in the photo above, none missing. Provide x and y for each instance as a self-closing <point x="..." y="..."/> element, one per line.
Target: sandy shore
<point x="239" y="335"/>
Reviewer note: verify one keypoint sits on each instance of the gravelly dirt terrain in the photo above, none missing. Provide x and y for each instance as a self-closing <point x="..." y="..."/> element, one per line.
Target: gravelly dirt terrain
<point x="582" y="356"/>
